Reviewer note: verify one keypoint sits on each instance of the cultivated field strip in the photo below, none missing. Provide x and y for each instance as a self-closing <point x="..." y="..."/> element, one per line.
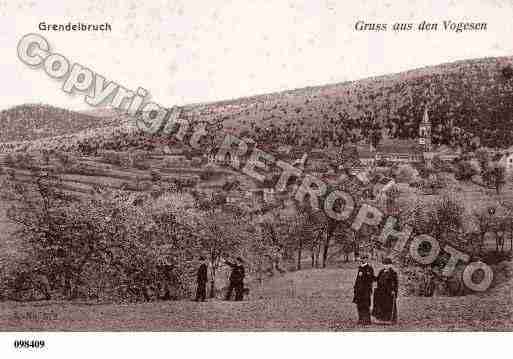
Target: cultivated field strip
<point x="88" y="172"/>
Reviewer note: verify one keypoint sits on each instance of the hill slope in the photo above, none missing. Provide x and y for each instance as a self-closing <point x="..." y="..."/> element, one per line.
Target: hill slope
<point x="474" y="96"/>
<point x="34" y="121"/>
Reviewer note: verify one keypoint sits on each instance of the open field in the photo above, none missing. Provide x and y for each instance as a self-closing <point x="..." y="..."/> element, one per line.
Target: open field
<point x="308" y="300"/>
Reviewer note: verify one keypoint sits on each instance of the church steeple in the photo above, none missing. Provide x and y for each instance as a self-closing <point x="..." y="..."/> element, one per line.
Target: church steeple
<point x="425" y="132"/>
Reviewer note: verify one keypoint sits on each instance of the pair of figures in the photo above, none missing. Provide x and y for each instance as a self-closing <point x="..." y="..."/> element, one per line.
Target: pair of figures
<point x="384" y="306"/>
<point x="236" y="282"/>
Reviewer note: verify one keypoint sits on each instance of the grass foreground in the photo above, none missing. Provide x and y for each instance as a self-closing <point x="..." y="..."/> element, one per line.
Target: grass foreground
<point x="307" y="300"/>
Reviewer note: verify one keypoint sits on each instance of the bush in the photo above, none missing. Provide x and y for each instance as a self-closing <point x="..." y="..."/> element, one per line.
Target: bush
<point x="426" y="281"/>
<point x="406" y="174"/>
<point x="419" y="281"/>
<point x="382" y="163"/>
<point x="465" y="170"/>
<point x="439" y="219"/>
<point x="507" y="72"/>
<point x="114" y="247"/>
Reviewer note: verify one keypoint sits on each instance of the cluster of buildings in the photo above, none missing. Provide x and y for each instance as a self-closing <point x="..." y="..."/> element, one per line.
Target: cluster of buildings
<point x="420" y="150"/>
<point x="392" y="151"/>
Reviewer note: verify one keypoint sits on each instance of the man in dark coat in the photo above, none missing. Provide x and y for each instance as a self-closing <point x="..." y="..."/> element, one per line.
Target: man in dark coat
<point x="201" y="280"/>
<point x="236" y="279"/>
<point x="385" y="307"/>
<point x="363" y="290"/>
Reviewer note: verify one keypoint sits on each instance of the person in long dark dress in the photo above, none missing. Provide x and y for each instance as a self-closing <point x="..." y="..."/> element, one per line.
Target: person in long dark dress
<point x="363" y="290"/>
<point x="236" y="280"/>
<point x="201" y="281"/>
<point x="385" y="296"/>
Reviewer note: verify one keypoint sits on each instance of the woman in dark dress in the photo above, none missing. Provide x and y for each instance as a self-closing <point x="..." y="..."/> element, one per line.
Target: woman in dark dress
<point x="385" y="295"/>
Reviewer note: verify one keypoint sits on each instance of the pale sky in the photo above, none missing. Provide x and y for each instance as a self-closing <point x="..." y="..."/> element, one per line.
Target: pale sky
<point x="201" y="51"/>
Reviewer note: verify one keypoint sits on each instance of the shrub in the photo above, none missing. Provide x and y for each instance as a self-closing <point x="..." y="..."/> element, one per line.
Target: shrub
<point x="507" y="72"/>
<point x="418" y="281"/>
<point x="406" y="174"/>
<point x="465" y="170"/>
<point x="111" y="247"/>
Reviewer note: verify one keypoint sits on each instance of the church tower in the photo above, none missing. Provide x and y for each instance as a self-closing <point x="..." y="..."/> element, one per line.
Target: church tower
<point x="425" y="132"/>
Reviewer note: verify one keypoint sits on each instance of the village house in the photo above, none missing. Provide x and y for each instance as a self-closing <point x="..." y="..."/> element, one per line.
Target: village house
<point x="367" y="156"/>
<point x="445" y="153"/>
<point x="400" y="151"/>
<point x="418" y="150"/>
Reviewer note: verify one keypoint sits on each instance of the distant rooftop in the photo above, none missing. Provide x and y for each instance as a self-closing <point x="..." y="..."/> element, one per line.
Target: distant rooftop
<point x="399" y="146"/>
<point x="365" y="152"/>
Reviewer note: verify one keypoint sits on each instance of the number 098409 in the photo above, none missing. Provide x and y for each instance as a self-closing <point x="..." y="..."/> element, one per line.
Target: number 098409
<point x="29" y="344"/>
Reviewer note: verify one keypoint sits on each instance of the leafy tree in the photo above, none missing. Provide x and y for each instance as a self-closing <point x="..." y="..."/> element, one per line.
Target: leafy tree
<point x="465" y="170"/>
<point x="221" y="229"/>
<point x="114" y="245"/>
<point x="484" y="157"/>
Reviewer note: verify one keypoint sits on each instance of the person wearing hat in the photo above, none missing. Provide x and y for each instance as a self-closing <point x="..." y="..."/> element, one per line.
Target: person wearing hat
<point x="363" y="290"/>
<point x="236" y="279"/>
<point x="201" y="280"/>
<point x="385" y="296"/>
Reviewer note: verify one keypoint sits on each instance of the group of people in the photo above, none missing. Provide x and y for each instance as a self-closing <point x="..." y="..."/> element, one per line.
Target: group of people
<point x="384" y="300"/>
<point x="235" y="285"/>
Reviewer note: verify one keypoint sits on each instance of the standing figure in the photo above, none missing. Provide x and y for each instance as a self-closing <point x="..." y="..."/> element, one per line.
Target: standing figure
<point x="236" y="279"/>
<point x="347" y="248"/>
<point x="201" y="281"/>
<point x="385" y="295"/>
<point x="363" y="290"/>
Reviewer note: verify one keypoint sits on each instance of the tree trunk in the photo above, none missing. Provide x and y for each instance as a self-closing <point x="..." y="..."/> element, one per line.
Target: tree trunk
<point x="329" y="234"/>
<point x="299" y="254"/>
<point x="213" y="284"/>
<point x="325" y="246"/>
<point x="213" y="276"/>
<point x="325" y="253"/>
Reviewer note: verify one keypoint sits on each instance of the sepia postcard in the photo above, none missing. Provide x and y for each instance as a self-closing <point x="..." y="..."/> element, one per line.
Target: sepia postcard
<point x="255" y="166"/>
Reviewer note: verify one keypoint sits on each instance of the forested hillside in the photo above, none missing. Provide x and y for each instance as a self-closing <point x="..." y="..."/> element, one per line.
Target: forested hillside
<point x="469" y="103"/>
<point x="34" y="121"/>
<point x="467" y="100"/>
